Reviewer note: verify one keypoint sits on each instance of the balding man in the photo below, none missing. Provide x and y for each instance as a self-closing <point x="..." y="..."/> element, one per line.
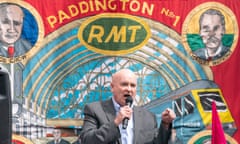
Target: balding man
<point x="11" y="23"/>
<point x="103" y="120"/>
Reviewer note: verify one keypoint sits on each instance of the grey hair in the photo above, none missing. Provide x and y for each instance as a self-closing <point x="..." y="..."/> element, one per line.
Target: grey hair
<point x="213" y="12"/>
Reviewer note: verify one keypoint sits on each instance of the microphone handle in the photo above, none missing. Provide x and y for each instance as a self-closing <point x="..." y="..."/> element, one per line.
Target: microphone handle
<point x="125" y="120"/>
<point x="125" y="123"/>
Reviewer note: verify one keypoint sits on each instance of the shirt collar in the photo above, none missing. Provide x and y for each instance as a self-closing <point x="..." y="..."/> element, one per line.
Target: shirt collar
<point x="219" y="50"/>
<point x="216" y="53"/>
<point x="116" y="105"/>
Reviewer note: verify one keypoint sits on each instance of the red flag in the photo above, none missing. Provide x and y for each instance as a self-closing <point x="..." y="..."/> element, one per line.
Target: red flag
<point x="217" y="130"/>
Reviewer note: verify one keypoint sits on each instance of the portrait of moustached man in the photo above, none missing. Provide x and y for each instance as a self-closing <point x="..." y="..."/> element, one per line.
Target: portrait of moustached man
<point x="210" y="33"/>
<point x="212" y="29"/>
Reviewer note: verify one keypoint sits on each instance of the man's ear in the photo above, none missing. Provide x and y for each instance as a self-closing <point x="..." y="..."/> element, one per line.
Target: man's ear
<point x="111" y="85"/>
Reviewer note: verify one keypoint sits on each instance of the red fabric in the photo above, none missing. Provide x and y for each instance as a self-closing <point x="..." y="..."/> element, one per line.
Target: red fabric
<point x="226" y="74"/>
<point x="17" y="142"/>
<point x="217" y="130"/>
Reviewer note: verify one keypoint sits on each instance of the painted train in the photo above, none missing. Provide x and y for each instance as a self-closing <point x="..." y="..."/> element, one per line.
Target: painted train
<point x="193" y="107"/>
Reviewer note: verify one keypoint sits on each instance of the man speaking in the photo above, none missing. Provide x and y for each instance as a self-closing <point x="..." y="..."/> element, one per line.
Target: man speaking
<point x="103" y="120"/>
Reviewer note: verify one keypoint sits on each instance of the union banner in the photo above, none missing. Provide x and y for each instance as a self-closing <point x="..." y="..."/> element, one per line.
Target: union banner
<point x="60" y="55"/>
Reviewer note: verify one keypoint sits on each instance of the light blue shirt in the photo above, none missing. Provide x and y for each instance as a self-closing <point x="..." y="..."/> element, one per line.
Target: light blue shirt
<point x="126" y="134"/>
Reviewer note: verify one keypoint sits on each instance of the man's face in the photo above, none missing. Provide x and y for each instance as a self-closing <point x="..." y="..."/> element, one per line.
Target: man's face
<point x="11" y="24"/>
<point x="124" y="83"/>
<point x="211" y="31"/>
<point x="57" y="134"/>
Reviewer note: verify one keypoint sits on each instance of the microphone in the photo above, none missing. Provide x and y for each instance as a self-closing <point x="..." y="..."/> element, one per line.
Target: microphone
<point x="129" y="101"/>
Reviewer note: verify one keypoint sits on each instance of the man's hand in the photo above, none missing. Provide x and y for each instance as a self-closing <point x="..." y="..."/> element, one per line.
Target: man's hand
<point x="125" y="112"/>
<point x="167" y="117"/>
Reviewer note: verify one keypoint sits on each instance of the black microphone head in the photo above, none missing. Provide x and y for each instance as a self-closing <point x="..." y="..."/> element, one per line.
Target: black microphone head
<point x="128" y="100"/>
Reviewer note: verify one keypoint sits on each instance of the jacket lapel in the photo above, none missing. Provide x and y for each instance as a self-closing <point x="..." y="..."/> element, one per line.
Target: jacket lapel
<point x="109" y="109"/>
<point x="3" y="51"/>
<point x="110" y="112"/>
<point x="137" y="122"/>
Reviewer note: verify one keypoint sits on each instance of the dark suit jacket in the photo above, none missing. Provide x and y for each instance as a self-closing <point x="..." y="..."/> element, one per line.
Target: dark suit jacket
<point x="63" y="141"/>
<point x="76" y="142"/>
<point x="201" y="53"/>
<point x="21" y="47"/>
<point x="99" y="127"/>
